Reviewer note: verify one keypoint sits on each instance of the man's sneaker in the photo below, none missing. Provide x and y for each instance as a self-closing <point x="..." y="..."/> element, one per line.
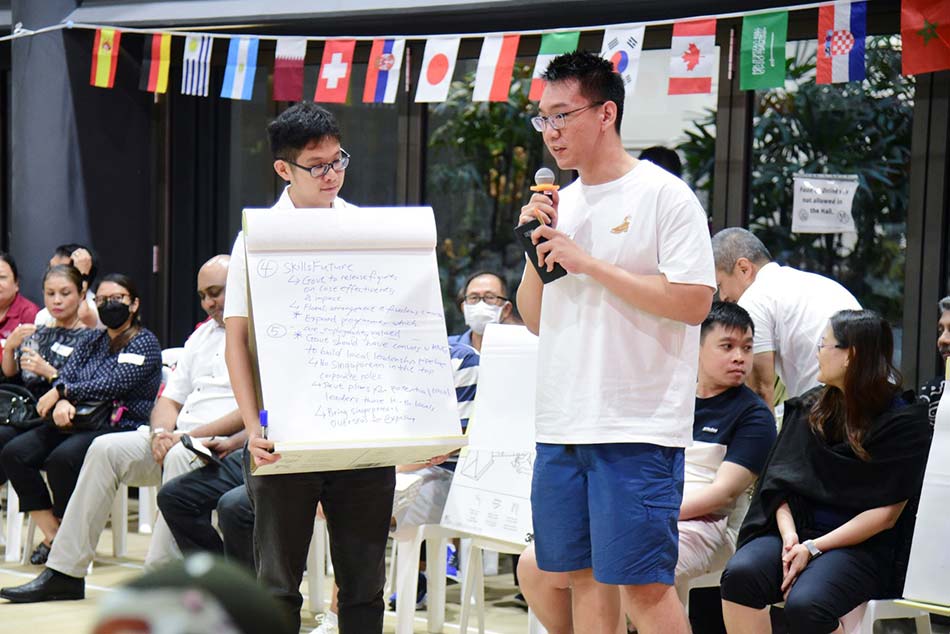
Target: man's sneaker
<point x="329" y="624"/>
<point x="451" y="563"/>
<point x="420" y="594"/>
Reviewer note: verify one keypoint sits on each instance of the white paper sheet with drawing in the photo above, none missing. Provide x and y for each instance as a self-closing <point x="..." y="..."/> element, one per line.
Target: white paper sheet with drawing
<point x="491" y="490"/>
<point x="349" y="326"/>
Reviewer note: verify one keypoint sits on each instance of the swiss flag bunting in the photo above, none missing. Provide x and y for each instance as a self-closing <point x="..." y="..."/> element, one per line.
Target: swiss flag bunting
<point x="334" y="78"/>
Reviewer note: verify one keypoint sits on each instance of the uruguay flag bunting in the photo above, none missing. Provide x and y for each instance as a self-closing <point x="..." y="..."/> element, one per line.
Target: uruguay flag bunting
<point x="622" y="48"/>
<point x="241" y="68"/>
<point x="841" y="32"/>
<point x="382" y="71"/>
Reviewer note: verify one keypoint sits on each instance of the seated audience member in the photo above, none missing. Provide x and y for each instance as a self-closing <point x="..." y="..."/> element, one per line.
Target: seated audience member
<point x="84" y="261"/>
<point x="111" y="382"/>
<point x="733" y="431"/>
<point x="789" y="308"/>
<point x="197" y="400"/>
<point x="663" y="157"/>
<point x="14" y="308"/>
<point x="825" y="527"/>
<point x="34" y="354"/>
<point x="200" y="594"/>
<point x="931" y="391"/>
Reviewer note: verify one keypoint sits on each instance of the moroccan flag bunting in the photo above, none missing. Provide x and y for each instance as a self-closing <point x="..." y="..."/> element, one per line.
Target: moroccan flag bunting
<point x="288" y="68"/>
<point x="496" y="65"/>
<point x="333" y="82"/>
<point x="552" y="45"/>
<point x="622" y="47"/>
<point x="196" y="65"/>
<point x="762" y="55"/>
<point x="925" y="36"/>
<point x="156" y="60"/>
<point x="382" y="71"/>
<point x="842" y="27"/>
<point x="438" y="64"/>
<point x="241" y="68"/>
<point x="691" y="57"/>
<point x="105" y="56"/>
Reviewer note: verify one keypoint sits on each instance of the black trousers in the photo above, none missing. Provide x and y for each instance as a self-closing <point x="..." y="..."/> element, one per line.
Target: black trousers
<point x="358" y="506"/>
<point x="829" y="587"/>
<point x="7" y="433"/>
<point x="187" y="501"/>
<point x="45" y="448"/>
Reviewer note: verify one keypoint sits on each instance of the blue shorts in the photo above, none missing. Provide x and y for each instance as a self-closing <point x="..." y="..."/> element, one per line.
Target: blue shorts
<point x="611" y="507"/>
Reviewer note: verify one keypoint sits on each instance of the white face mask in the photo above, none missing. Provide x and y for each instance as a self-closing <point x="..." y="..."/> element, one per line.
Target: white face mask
<point x="479" y="315"/>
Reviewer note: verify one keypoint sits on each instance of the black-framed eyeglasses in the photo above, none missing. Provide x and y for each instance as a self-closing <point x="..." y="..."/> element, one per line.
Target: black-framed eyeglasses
<point x="321" y="170"/>
<point x="489" y="298"/>
<point x="558" y="121"/>
<point x="118" y="297"/>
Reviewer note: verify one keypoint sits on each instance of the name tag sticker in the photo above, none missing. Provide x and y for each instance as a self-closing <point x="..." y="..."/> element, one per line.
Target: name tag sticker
<point x="61" y="349"/>
<point x="129" y="357"/>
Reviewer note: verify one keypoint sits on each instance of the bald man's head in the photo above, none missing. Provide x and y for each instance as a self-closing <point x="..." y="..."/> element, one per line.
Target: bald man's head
<point x="212" y="277"/>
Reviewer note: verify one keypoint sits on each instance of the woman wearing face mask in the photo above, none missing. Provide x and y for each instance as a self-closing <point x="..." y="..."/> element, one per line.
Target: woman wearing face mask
<point x="35" y="354"/>
<point x="120" y="366"/>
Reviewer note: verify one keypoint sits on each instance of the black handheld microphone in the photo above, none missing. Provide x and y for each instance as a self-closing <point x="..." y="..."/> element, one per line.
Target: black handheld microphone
<point x="544" y="183"/>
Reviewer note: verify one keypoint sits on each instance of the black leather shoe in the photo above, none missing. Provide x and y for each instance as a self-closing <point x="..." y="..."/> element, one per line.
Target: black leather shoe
<point x="40" y="554"/>
<point x="48" y="586"/>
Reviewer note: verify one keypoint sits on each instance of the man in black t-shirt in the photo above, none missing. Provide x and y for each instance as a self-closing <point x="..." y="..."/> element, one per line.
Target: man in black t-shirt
<point x="932" y="390"/>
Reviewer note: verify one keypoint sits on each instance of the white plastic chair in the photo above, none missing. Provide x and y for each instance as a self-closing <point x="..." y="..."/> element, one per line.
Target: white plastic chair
<point x="14" y="526"/>
<point x="405" y="564"/>
<point x="473" y="584"/>
<point x="317" y="566"/>
<point x="170" y="356"/>
<point x="861" y="619"/>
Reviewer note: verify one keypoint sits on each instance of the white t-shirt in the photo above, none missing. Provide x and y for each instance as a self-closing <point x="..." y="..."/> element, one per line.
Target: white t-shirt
<point x="790" y="310"/>
<point x="235" y="300"/>
<point x="608" y="372"/>
<point x="200" y="382"/>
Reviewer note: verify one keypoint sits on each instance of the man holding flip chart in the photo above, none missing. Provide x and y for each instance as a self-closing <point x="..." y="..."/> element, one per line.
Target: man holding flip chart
<point x="305" y="141"/>
<point x="617" y="354"/>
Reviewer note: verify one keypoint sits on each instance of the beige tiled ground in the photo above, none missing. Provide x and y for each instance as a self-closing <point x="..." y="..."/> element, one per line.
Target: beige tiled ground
<point x="502" y="615"/>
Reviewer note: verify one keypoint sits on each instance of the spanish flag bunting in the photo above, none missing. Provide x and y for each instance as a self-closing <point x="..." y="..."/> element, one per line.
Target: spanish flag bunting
<point x="156" y="61"/>
<point x="105" y="55"/>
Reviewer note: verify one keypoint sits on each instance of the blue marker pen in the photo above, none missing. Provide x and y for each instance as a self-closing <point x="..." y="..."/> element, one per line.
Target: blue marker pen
<point x="264" y="423"/>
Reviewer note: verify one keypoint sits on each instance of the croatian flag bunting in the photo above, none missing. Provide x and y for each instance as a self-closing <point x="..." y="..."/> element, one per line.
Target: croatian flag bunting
<point x="382" y="72"/>
<point x="841" y="32"/>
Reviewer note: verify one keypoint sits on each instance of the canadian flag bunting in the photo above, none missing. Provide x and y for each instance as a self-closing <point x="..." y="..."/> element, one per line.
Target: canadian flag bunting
<point x="622" y="48"/>
<point x="496" y="65"/>
<point x="438" y="64"/>
<point x="334" y="78"/>
<point x="691" y="57"/>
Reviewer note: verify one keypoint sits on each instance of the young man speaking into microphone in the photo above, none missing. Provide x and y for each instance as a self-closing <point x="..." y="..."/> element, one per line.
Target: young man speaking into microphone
<point x="617" y="357"/>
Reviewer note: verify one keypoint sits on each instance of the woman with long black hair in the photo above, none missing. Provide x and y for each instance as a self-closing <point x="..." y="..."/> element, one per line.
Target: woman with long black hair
<point x="827" y="524"/>
<point x="108" y="385"/>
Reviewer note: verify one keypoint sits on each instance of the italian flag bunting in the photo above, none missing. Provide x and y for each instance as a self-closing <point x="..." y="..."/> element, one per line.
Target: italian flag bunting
<point x="105" y="56"/>
<point x="552" y="45"/>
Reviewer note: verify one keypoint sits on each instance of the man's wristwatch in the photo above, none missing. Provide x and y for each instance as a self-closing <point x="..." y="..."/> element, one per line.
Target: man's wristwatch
<point x="813" y="550"/>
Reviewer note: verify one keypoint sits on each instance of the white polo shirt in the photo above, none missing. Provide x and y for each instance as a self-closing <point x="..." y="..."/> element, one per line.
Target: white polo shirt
<point x="790" y="310"/>
<point x="200" y="382"/>
<point x="608" y="372"/>
<point x="235" y="301"/>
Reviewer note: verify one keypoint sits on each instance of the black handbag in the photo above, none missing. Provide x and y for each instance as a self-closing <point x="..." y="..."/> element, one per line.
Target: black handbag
<point x="91" y="416"/>
<point x="18" y="407"/>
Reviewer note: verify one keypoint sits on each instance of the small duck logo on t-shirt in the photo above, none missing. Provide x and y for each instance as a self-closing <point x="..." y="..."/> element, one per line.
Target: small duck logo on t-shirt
<point x="623" y="226"/>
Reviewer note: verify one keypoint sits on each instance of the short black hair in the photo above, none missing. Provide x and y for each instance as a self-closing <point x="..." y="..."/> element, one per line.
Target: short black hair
<point x="730" y="316"/>
<point x="298" y="126"/>
<point x="663" y="157"/>
<point x="6" y="257"/>
<point x="67" y="250"/>
<point x="595" y="77"/>
<point x="463" y="289"/>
